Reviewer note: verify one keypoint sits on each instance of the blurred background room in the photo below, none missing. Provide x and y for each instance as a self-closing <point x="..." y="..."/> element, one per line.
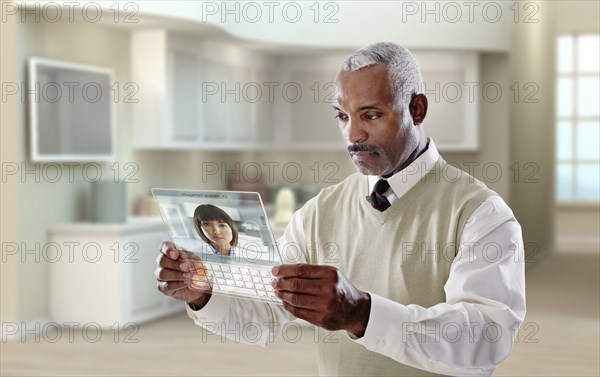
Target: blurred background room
<point x="237" y="95"/>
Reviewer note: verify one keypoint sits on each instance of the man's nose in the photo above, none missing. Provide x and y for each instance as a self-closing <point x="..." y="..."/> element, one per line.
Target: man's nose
<point x="355" y="132"/>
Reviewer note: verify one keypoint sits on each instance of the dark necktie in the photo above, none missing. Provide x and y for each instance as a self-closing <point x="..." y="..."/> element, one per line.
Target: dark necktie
<point x="377" y="200"/>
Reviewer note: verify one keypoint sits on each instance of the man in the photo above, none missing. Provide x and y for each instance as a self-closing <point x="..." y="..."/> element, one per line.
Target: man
<point x="418" y="274"/>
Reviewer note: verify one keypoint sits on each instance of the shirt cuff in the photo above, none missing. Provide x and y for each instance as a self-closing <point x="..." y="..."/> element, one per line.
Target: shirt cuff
<point x="380" y="335"/>
<point x="215" y="309"/>
<point x="386" y="333"/>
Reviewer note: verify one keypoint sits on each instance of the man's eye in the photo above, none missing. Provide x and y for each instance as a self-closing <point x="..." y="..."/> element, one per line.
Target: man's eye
<point x="371" y="116"/>
<point x="341" y="116"/>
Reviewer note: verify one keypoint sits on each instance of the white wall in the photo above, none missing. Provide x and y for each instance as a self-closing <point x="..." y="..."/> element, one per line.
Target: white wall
<point x="532" y="135"/>
<point x="32" y="203"/>
<point x="9" y="152"/>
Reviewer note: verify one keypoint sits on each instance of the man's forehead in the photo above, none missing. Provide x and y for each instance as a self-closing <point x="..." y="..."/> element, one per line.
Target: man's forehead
<point x="368" y="83"/>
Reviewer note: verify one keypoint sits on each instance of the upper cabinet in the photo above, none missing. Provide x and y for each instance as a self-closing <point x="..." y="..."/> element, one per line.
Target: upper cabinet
<point x="198" y="94"/>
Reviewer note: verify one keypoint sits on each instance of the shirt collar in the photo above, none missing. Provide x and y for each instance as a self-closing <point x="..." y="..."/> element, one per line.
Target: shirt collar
<point x="406" y="178"/>
<point x="215" y="251"/>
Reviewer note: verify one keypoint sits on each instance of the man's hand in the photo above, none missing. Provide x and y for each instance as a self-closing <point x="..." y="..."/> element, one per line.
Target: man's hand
<point x="181" y="275"/>
<point x="322" y="296"/>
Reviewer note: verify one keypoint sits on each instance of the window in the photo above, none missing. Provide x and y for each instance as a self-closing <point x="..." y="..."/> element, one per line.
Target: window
<point x="578" y="118"/>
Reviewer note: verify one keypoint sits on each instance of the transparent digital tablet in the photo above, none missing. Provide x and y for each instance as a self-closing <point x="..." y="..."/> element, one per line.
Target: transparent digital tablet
<point x="227" y="237"/>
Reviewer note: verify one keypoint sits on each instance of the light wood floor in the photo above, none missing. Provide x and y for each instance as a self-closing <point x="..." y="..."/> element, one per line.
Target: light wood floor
<point x="560" y="338"/>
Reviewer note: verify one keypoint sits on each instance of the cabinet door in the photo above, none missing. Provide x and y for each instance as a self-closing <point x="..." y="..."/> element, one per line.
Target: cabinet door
<point x="313" y="121"/>
<point x="215" y="95"/>
<point x="263" y="109"/>
<point x="185" y="98"/>
<point x="139" y="258"/>
<point x="241" y="105"/>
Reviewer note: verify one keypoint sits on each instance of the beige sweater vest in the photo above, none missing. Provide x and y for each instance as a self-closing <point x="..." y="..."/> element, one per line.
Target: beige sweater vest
<point x="403" y="253"/>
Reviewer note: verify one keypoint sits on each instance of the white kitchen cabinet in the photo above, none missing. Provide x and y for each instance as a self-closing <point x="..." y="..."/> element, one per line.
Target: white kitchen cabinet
<point x="105" y="275"/>
<point x="196" y="94"/>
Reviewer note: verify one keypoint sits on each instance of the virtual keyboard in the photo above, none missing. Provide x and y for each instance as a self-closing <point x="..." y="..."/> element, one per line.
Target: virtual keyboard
<point x="251" y="282"/>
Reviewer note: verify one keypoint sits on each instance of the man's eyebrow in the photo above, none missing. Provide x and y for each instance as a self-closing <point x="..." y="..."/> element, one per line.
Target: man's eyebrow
<point x="366" y="107"/>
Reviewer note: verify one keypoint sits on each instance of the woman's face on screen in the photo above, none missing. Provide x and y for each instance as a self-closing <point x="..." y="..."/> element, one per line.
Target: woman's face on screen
<point x="217" y="231"/>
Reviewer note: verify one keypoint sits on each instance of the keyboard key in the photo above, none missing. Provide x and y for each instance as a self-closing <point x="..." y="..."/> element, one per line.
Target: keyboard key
<point x="227" y="288"/>
<point x="244" y="271"/>
<point x="245" y="291"/>
<point x="235" y="270"/>
<point x="227" y="275"/>
<point x="256" y="279"/>
<point x="267" y="281"/>
<point x="218" y="274"/>
<point x="239" y="283"/>
<point x="265" y="273"/>
<point x="249" y="285"/>
<point x="246" y="278"/>
<point x="254" y="272"/>
<point x="225" y="268"/>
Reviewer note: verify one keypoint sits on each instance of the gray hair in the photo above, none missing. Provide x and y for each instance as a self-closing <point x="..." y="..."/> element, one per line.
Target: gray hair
<point x="403" y="71"/>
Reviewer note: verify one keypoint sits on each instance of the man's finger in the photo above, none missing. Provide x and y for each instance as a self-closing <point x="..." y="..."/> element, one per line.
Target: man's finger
<point x="173" y="250"/>
<point x="170" y="287"/>
<point x="164" y="274"/>
<point x="183" y="265"/>
<point x="298" y="300"/>
<point x="201" y="284"/>
<point x="299" y="285"/>
<point x="308" y="271"/>
<point x="302" y="313"/>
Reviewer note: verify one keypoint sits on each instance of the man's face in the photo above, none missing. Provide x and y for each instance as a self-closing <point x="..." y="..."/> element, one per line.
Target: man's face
<point x="379" y="137"/>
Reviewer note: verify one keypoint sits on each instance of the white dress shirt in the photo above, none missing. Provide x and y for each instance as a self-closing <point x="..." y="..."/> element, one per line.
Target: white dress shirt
<point x="469" y="334"/>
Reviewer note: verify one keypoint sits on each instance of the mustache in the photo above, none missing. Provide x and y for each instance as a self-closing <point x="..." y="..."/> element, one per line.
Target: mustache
<point x="362" y="148"/>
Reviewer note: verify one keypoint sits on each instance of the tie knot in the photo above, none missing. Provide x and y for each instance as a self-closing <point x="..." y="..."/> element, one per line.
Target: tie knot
<point x="377" y="200"/>
<point x="381" y="186"/>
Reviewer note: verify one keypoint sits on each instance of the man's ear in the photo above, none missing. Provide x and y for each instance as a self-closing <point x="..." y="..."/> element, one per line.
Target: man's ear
<point x="418" y="108"/>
